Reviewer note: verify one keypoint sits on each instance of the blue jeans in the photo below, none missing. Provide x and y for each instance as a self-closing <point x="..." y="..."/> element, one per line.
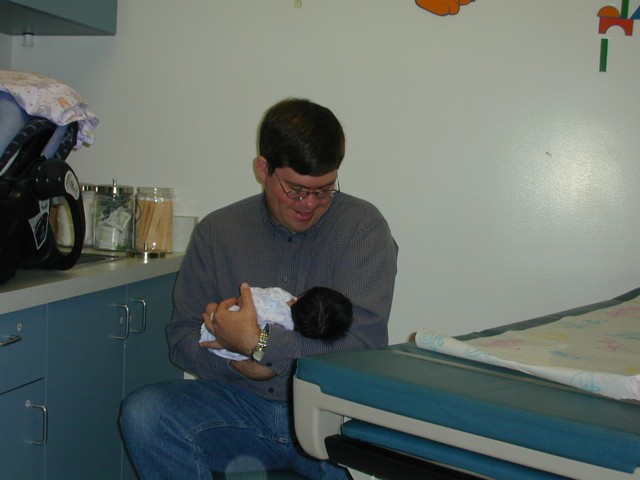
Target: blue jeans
<point x="186" y="429"/>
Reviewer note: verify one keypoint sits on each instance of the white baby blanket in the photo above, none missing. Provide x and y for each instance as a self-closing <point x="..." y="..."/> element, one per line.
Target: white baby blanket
<point x="48" y="98"/>
<point x="598" y="351"/>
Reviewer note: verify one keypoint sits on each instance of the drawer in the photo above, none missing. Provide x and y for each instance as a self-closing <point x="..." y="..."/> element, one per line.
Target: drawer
<point x="23" y="429"/>
<point x="23" y="336"/>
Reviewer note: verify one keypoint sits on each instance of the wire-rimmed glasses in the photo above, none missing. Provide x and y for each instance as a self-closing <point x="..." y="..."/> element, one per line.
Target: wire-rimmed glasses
<point x="299" y="195"/>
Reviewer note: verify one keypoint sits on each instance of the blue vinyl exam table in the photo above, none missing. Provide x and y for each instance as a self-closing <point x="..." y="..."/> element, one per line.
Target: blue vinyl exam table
<point x="406" y="413"/>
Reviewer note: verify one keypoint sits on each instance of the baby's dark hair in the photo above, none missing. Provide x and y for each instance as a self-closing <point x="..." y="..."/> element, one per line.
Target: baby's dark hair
<point x="322" y="313"/>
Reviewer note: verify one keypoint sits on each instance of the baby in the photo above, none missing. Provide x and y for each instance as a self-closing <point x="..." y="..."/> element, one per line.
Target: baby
<point x="320" y="312"/>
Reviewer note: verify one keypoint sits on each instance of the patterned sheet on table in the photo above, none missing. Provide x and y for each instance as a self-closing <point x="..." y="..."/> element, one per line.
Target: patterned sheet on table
<point x="597" y="351"/>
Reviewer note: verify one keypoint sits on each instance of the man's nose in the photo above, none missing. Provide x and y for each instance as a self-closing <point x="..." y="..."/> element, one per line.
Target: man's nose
<point x="310" y="200"/>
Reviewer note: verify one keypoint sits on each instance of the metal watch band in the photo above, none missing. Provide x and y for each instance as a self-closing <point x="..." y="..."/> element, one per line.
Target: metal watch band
<point x="258" y="352"/>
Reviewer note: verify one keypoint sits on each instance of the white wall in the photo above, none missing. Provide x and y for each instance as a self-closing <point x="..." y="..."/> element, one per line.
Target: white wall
<point x="506" y="164"/>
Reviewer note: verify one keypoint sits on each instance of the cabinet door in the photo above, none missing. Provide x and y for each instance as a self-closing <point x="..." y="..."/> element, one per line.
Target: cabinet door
<point x="22" y="432"/>
<point x="84" y="385"/>
<point x="147" y="351"/>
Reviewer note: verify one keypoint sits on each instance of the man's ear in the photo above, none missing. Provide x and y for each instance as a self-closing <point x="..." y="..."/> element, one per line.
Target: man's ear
<point x="262" y="168"/>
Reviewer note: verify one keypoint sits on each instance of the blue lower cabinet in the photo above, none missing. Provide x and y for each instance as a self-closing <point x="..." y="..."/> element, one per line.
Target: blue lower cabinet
<point x="146" y="349"/>
<point x="67" y="367"/>
<point x="85" y="364"/>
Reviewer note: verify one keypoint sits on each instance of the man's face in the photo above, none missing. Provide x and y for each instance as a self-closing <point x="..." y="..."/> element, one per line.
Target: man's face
<point x="295" y="214"/>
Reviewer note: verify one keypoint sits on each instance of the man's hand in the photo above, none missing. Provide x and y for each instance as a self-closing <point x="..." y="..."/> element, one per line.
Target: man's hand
<point x="236" y="331"/>
<point x="208" y="323"/>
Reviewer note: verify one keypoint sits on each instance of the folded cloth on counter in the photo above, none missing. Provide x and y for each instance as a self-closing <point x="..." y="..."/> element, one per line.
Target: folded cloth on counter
<point x="48" y="98"/>
<point x="598" y="351"/>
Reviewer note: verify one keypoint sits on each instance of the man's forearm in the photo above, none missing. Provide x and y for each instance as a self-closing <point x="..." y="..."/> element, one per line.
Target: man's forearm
<point x="253" y="370"/>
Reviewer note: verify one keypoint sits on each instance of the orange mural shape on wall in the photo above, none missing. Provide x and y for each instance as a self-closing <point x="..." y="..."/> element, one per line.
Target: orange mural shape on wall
<point x="609" y="11"/>
<point x="442" y="7"/>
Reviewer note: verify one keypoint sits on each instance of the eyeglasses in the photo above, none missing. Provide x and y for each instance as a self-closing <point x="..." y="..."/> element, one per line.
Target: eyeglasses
<point x="300" y="195"/>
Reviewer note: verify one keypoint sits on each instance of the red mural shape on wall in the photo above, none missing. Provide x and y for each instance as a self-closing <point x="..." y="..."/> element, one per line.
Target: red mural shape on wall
<point x="442" y="7"/>
<point x="609" y="16"/>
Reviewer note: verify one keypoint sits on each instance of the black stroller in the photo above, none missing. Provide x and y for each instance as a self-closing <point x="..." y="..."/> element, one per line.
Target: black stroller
<point x="33" y="171"/>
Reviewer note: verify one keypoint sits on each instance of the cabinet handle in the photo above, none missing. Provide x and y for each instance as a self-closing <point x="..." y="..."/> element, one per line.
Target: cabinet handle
<point x="144" y="316"/>
<point x="9" y="339"/>
<point x="126" y="322"/>
<point x="45" y="422"/>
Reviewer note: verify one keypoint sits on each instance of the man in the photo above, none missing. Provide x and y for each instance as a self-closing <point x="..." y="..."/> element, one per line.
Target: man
<point x="299" y="233"/>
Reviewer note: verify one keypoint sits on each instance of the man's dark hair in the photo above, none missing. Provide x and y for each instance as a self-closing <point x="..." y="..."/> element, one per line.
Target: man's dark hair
<point x="302" y="135"/>
<point x="322" y="313"/>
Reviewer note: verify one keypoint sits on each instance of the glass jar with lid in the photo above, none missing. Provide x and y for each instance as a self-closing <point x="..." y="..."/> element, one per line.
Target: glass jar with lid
<point x="154" y="220"/>
<point x="113" y="217"/>
<point x="88" y="192"/>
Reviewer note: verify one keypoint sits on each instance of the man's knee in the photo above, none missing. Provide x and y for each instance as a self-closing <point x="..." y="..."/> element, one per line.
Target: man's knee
<point x="140" y="409"/>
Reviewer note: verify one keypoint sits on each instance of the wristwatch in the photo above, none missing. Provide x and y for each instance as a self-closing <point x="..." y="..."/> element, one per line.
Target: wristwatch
<point x="257" y="353"/>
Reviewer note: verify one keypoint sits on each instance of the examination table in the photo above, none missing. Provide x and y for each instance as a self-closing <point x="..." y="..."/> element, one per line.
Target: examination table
<point x="405" y="413"/>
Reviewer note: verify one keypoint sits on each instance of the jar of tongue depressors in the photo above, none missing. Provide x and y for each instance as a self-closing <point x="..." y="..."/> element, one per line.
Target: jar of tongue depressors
<point x="154" y="222"/>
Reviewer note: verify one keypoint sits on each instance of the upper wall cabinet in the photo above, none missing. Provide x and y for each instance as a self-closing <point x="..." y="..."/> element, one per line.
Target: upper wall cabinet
<point x="59" y="17"/>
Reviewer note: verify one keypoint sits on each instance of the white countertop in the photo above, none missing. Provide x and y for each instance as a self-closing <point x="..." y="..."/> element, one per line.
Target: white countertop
<point x="30" y="288"/>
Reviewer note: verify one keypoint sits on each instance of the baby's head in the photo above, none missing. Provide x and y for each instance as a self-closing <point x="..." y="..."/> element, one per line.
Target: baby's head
<point x="322" y="313"/>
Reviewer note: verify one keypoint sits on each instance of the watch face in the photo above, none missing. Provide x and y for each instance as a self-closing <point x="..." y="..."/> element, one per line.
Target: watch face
<point x="257" y="355"/>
